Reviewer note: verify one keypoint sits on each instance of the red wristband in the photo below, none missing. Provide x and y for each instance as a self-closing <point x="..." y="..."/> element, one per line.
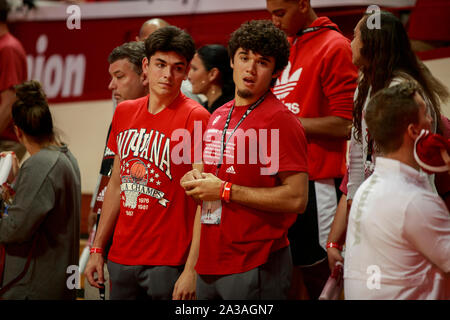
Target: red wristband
<point x="334" y="245"/>
<point x="221" y="189"/>
<point x="96" y="250"/>
<point x="226" y="194"/>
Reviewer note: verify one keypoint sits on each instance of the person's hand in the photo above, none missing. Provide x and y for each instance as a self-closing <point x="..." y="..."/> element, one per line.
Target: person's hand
<point x="205" y="189"/>
<point x="95" y="265"/>
<point x="192" y="175"/>
<point x="334" y="255"/>
<point x="185" y="286"/>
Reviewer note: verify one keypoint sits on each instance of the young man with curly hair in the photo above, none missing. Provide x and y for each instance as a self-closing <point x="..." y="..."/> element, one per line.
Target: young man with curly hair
<point x="254" y="181"/>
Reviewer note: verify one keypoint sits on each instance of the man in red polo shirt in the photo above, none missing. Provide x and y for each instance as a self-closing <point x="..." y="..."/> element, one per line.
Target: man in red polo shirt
<point x="254" y="181"/>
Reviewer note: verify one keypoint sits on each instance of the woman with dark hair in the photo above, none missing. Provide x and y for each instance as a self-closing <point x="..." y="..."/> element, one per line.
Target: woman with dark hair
<point x="210" y="74"/>
<point x="384" y="58"/>
<point x="40" y="233"/>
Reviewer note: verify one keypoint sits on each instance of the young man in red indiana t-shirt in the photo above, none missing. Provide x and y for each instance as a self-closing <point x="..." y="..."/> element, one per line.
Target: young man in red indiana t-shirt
<point x="255" y="180"/>
<point x="154" y="246"/>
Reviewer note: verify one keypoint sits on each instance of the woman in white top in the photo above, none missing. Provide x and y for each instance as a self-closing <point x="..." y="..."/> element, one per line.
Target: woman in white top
<point x="384" y="58"/>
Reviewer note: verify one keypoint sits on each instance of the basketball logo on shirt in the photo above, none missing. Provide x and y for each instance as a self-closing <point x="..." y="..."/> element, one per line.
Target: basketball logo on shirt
<point x="152" y="146"/>
<point x="135" y="177"/>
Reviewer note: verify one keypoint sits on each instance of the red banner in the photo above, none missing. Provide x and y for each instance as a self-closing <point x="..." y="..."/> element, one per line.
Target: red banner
<point x="72" y="64"/>
<point x="69" y="55"/>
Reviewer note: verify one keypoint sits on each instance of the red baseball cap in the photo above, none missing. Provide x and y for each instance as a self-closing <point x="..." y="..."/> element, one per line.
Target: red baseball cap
<point x="427" y="151"/>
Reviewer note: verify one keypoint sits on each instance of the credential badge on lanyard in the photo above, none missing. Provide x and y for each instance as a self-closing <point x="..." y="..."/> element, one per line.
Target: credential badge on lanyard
<point x="212" y="210"/>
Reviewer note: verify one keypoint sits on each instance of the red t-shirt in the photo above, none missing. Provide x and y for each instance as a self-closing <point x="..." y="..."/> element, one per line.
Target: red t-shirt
<point x="245" y="237"/>
<point x="13" y="71"/>
<point x="156" y="218"/>
<point x="319" y="81"/>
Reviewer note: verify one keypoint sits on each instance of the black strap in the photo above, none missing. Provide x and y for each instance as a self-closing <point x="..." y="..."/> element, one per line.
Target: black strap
<point x="224" y="143"/>
<point x="313" y="29"/>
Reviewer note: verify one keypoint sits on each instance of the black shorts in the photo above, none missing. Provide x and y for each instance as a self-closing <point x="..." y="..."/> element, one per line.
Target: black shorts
<point x="308" y="234"/>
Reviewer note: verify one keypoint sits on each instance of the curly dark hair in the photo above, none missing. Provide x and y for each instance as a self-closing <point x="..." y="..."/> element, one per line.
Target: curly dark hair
<point x="30" y="112"/>
<point x="262" y="37"/>
<point x="388" y="51"/>
<point x="170" y="38"/>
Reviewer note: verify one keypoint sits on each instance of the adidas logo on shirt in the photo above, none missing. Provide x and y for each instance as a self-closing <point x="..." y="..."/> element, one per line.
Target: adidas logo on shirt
<point x="286" y="84"/>
<point x="215" y="120"/>
<point x="231" y="170"/>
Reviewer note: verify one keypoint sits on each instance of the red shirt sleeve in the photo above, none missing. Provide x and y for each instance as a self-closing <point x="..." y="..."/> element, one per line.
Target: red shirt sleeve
<point x="339" y="78"/>
<point x="292" y="144"/>
<point x="197" y="123"/>
<point x="11" y="72"/>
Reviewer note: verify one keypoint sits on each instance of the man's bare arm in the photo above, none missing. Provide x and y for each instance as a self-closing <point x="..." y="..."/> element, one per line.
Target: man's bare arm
<point x="7" y="98"/>
<point x="291" y="196"/>
<point x="108" y="218"/>
<point x="331" y="127"/>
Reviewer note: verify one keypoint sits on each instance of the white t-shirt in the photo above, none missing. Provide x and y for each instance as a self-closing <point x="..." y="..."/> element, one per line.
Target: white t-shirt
<point x="398" y="237"/>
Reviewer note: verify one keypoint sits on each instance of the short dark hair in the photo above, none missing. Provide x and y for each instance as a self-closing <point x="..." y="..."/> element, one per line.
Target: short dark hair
<point x="133" y="51"/>
<point x="170" y="38"/>
<point x="390" y="112"/>
<point x="30" y="112"/>
<point x="216" y="56"/>
<point x="4" y="10"/>
<point x="262" y="37"/>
